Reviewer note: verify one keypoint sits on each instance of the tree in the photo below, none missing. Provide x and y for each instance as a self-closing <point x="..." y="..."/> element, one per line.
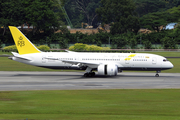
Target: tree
<point x="11" y="13"/>
<point x="59" y="15"/>
<point x="41" y="15"/>
<point x="148" y="6"/>
<point x="74" y="15"/>
<point x="82" y="11"/>
<point x="121" y="13"/>
<point x="119" y="41"/>
<point x="87" y="7"/>
<point x="132" y="42"/>
<point x="147" y="44"/>
<point x="0" y="44"/>
<point x="169" y="43"/>
<point x="153" y="21"/>
<point x="171" y="3"/>
<point x="174" y="14"/>
<point x="63" y="43"/>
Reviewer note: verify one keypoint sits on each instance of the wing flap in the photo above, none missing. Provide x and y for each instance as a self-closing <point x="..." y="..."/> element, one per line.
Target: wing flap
<point x="80" y="62"/>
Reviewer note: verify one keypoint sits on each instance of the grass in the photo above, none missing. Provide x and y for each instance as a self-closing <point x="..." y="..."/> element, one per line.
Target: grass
<point x="165" y="53"/>
<point x="10" y="65"/>
<point x="91" y="104"/>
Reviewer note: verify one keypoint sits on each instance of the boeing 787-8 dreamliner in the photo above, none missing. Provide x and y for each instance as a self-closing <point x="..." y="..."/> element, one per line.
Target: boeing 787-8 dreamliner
<point x="105" y="63"/>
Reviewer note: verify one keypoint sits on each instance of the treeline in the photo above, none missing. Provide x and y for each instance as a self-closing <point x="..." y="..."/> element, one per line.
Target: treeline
<point x="126" y="17"/>
<point x="84" y="10"/>
<point x="45" y="16"/>
<point x="168" y="39"/>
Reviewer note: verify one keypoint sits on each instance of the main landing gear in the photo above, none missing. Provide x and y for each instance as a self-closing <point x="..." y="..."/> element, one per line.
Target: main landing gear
<point x="157" y="75"/>
<point x="90" y="74"/>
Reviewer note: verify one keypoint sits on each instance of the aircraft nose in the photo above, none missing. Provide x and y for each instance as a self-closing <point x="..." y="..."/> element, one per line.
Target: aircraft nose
<point x="171" y="65"/>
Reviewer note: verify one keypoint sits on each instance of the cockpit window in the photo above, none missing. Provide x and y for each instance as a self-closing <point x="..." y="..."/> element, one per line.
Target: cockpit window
<point x="164" y="60"/>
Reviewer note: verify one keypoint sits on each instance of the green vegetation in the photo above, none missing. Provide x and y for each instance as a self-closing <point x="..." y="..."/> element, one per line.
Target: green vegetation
<point x="85" y="47"/>
<point x="5" y="53"/>
<point x="87" y="12"/>
<point x="40" y="14"/>
<point x="43" y="48"/>
<point x="125" y="18"/>
<point x="10" y="65"/>
<point x="114" y="10"/>
<point x="91" y="104"/>
<point x="13" y="48"/>
<point x="165" y="53"/>
<point x="10" y="48"/>
<point x="82" y="11"/>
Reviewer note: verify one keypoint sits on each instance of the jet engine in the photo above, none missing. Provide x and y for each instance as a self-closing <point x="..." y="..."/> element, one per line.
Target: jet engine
<point x="108" y="69"/>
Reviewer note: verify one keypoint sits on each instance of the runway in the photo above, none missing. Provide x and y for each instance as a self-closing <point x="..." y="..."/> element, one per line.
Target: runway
<point x="16" y="81"/>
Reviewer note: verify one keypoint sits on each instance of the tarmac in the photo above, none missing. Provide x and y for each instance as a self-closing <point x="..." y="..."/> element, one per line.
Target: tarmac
<point x="22" y="81"/>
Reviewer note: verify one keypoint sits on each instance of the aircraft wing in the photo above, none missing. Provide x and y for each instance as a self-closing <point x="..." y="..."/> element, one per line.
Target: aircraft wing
<point x="89" y="64"/>
<point x="82" y="63"/>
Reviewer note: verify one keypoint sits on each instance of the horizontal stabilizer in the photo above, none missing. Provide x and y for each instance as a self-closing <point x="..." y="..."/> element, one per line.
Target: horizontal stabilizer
<point x="23" y="58"/>
<point x="70" y="51"/>
<point x="16" y="55"/>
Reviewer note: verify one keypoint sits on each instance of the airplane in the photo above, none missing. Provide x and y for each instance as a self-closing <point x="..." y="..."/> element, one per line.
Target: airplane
<point x="108" y="64"/>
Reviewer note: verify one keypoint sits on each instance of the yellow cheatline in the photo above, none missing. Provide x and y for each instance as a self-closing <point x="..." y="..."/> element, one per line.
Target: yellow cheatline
<point x="132" y="55"/>
<point x="127" y="59"/>
<point x="23" y="45"/>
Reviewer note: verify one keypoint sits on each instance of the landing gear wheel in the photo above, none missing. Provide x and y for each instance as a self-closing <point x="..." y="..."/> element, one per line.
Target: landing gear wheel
<point x="91" y="74"/>
<point x="157" y="75"/>
<point x="86" y="74"/>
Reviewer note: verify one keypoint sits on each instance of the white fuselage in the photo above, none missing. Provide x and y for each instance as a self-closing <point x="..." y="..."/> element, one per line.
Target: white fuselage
<point x="74" y="60"/>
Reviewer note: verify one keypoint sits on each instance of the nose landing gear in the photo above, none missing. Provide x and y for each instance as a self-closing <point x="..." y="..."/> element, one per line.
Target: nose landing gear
<point x="157" y="75"/>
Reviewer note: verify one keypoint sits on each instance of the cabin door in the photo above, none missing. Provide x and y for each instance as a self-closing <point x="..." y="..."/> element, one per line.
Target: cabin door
<point x="43" y="59"/>
<point x="154" y="60"/>
<point x="127" y="61"/>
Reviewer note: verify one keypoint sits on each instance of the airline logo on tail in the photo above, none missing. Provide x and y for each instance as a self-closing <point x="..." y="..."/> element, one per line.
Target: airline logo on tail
<point x="23" y="44"/>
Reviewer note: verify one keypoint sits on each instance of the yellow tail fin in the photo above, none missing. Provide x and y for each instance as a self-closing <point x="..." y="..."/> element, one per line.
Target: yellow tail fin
<point x="23" y="44"/>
